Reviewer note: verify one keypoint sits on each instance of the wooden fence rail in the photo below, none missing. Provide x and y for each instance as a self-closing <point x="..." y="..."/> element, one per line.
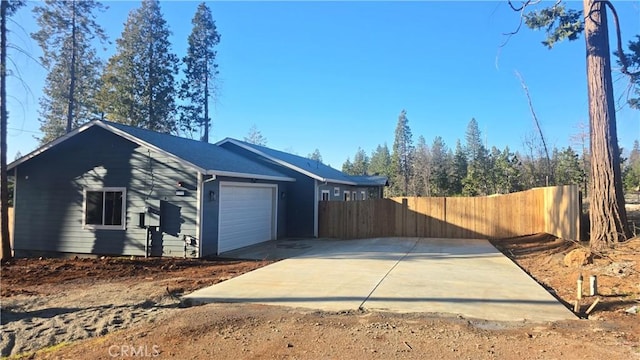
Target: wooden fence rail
<point x="554" y="210"/>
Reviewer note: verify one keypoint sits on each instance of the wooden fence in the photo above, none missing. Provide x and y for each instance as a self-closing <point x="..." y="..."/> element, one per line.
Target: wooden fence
<point x="11" y="220"/>
<point x="554" y="210"/>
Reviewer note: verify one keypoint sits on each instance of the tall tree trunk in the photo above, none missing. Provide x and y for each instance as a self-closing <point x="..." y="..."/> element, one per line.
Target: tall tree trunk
<point x="607" y="212"/>
<point x="72" y="71"/>
<point x="205" y="137"/>
<point x="4" y="188"/>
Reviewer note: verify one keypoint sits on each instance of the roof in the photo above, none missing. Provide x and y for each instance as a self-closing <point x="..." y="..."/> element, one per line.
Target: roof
<point x="312" y="168"/>
<point x="209" y="159"/>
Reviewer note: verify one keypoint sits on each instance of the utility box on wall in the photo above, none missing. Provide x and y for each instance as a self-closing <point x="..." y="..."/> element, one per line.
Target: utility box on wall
<point x="150" y="216"/>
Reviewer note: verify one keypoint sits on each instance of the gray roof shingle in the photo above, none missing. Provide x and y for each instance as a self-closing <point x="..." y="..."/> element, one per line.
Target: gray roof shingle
<point x="208" y="158"/>
<point x="309" y="167"/>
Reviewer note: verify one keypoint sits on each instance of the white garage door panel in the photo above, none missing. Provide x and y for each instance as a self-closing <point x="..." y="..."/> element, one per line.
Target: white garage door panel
<point x="246" y="216"/>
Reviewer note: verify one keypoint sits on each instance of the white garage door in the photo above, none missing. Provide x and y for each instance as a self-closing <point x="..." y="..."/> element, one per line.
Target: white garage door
<point x="247" y="215"/>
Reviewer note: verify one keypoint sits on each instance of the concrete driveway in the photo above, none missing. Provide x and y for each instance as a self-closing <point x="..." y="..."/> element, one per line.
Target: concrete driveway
<point x="457" y="276"/>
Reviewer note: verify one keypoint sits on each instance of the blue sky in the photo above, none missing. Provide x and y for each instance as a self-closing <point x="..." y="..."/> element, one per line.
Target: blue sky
<point x="335" y="75"/>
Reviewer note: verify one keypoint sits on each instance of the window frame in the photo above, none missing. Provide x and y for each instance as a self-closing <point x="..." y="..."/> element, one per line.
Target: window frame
<point x="346" y="195"/>
<point x="363" y="194"/>
<point x="354" y="195"/>
<point x="325" y="192"/>
<point x="336" y="191"/>
<point x="122" y="226"/>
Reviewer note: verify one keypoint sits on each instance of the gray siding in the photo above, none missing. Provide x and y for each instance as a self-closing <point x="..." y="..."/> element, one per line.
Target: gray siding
<point x="49" y="197"/>
<point x="371" y="192"/>
<point x="300" y="196"/>
<point x="211" y="210"/>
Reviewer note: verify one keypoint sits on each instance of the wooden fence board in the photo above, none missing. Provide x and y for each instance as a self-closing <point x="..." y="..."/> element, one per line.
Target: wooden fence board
<point x="555" y="210"/>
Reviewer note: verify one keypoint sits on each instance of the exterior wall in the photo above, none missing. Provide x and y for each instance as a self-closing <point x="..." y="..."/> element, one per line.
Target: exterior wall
<point x="371" y="192"/>
<point x="211" y="211"/>
<point x="49" y="198"/>
<point x="300" y="195"/>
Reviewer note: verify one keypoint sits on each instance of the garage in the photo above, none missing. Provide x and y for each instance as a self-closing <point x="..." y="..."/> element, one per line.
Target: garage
<point x="247" y="215"/>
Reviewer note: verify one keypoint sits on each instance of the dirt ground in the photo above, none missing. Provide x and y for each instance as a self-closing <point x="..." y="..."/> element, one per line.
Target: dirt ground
<point x="130" y="308"/>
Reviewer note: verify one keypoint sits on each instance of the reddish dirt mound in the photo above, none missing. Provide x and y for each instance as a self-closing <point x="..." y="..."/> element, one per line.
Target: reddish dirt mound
<point x="35" y="276"/>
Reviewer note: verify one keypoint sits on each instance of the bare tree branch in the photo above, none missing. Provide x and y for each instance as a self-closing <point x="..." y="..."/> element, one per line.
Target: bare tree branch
<point x="623" y="58"/>
<point x="535" y="119"/>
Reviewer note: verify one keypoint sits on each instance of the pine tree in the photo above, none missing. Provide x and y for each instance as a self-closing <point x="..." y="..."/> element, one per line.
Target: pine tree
<point x="200" y="72"/>
<point x="347" y="167"/>
<point x="7" y="8"/>
<point x="138" y="82"/>
<point x="459" y="170"/>
<point x="632" y="170"/>
<point x="255" y="137"/>
<point x="360" y="162"/>
<point x="506" y="171"/>
<point x="316" y="156"/>
<point x="441" y="165"/>
<point x="420" y="184"/>
<point x="401" y="158"/>
<point x="380" y="161"/>
<point x="633" y="57"/>
<point x="66" y="35"/>
<point x="568" y="169"/>
<point x="477" y="181"/>
<point x="608" y="217"/>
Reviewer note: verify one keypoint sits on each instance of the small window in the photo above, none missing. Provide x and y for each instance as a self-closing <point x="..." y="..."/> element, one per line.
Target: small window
<point x="347" y="196"/>
<point x="105" y="208"/>
<point x="336" y="191"/>
<point x="354" y="196"/>
<point x="325" y="195"/>
<point x="363" y="194"/>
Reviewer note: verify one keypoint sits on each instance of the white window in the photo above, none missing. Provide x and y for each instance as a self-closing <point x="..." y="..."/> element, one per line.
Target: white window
<point x="325" y="195"/>
<point x="354" y="196"/>
<point x="336" y="191"/>
<point x="363" y="194"/>
<point x="105" y="208"/>
<point x="346" y="196"/>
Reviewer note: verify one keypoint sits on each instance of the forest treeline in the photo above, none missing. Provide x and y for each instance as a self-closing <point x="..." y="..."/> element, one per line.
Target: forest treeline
<point x="472" y="168"/>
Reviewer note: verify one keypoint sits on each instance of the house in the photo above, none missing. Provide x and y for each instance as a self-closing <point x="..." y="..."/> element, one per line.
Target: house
<point x="111" y="189"/>
<point x="315" y="182"/>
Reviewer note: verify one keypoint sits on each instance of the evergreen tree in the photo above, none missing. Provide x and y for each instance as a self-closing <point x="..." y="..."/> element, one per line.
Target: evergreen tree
<point x="477" y="181"/>
<point x="360" y="162"/>
<point x="316" y="156"/>
<point x="7" y="8"/>
<point x="138" y="83"/>
<point x="380" y="162"/>
<point x="459" y="170"/>
<point x="66" y="35"/>
<point x="441" y="167"/>
<point x="347" y="167"/>
<point x="608" y="217"/>
<point x="633" y="58"/>
<point x="359" y="166"/>
<point x="506" y="171"/>
<point x="200" y="72"/>
<point x="255" y="137"/>
<point x="420" y="184"/>
<point x="401" y="158"/>
<point x="568" y="169"/>
<point x="632" y="170"/>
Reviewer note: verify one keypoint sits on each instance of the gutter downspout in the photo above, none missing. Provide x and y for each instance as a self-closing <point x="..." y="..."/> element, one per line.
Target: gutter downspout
<point x="316" y="187"/>
<point x="200" y="203"/>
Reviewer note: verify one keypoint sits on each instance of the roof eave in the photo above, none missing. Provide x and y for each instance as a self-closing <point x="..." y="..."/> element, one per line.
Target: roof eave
<point x="141" y="142"/>
<point x="274" y="159"/>
<point x="249" y="176"/>
<point x="51" y="144"/>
